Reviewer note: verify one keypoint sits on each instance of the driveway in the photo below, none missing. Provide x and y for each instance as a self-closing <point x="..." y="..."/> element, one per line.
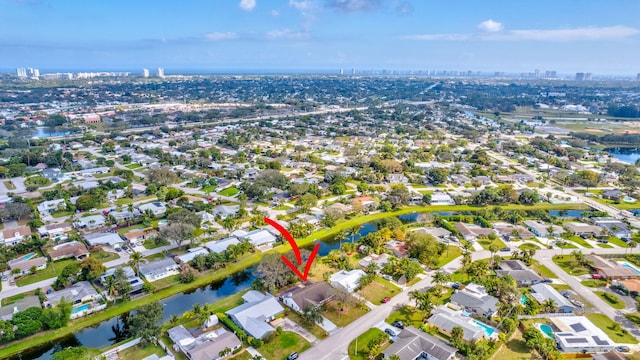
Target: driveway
<point x="289" y="325"/>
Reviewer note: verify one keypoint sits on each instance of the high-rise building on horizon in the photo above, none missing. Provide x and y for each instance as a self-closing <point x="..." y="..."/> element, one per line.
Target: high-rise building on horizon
<point x="145" y="73"/>
<point x="160" y="72"/>
<point x="341" y="71"/>
<point x="583" y="76"/>
<point x="21" y="72"/>
<point x="353" y="71"/>
<point x="638" y="77"/>
<point x="550" y="74"/>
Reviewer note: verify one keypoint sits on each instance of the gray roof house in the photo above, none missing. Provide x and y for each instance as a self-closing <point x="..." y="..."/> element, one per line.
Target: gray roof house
<point x="220" y="246"/>
<point x="615" y="227"/>
<point x="543" y="292"/>
<point x="157" y="208"/>
<point x="539" y="228"/>
<point x="206" y="346"/>
<point x="225" y="210"/>
<point x="474" y="298"/>
<point x="445" y="319"/>
<point x="90" y="222"/>
<point x="252" y="316"/>
<point x="413" y="344"/>
<point x="303" y="296"/>
<point x="100" y="238"/>
<point x="134" y="280"/>
<point x="7" y="311"/>
<point x="159" y="269"/>
<point x="519" y="272"/>
<point x="79" y="292"/>
<point x="260" y="237"/>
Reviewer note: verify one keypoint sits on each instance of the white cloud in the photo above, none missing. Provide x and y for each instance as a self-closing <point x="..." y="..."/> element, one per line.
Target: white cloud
<point x="309" y="10"/>
<point x="275" y="13"/>
<point x="217" y="36"/>
<point x="302" y="5"/>
<point x="557" y="35"/>
<point x="247" y="5"/>
<point x="490" y="26"/>
<point x="286" y="34"/>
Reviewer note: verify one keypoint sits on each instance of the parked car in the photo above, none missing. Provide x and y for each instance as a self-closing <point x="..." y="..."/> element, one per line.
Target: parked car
<point x="566" y="294"/>
<point x="5" y="278"/>
<point x="623" y="349"/>
<point x="505" y="249"/>
<point x="386" y="300"/>
<point x="399" y="324"/>
<point x="603" y="241"/>
<point x="456" y="285"/>
<point x="129" y="251"/>
<point x="390" y="332"/>
<point x="292" y="356"/>
<point x="577" y="303"/>
<point x="12" y="282"/>
<point x="596" y="276"/>
<point x="118" y="249"/>
<point x="547" y="280"/>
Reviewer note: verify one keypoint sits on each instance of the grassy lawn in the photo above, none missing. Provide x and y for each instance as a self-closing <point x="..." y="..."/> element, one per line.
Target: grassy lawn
<point x="345" y="317"/>
<point x="9" y="184"/>
<point x="569" y="265"/>
<point x="283" y="345"/>
<point x="594" y="283"/>
<point x="604" y="246"/>
<point x="243" y="263"/>
<point x="133" y="166"/>
<point x="104" y="256"/>
<point x="125" y="230"/>
<point x="230" y="191"/>
<point x="282" y="207"/>
<point x="59" y="214"/>
<point x="166" y="282"/>
<point x="378" y="290"/>
<point x="315" y="329"/>
<point x="580" y="241"/>
<point x="408" y="315"/>
<point x="53" y="269"/>
<point x="616" y="241"/>
<point x="10" y="300"/>
<point x="543" y="271"/>
<point x="611" y="299"/>
<point x="514" y="349"/>
<point x="361" y="352"/>
<point x="566" y="245"/>
<point x="140" y="352"/>
<point x="155" y="257"/>
<point x="451" y="253"/>
<point x="150" y="244"/>
<point x="529" y="246"/>
<point x="611" y="328"/>
<point x="486" y="243"/>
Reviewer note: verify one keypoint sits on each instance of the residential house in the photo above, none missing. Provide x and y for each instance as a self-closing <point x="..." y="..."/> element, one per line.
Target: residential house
<point x="225" y="210"/>
<point x="507" y="231"/>
<point x="475" y="299"/>
<point x="610" y="269"/>
<point x="471" y="232"/>
<point x="49" y="206"/>
<point x="522" y="178"/>
<point x="441" y="198"/>
<point x="55" y="231"/>
<point x="367" y="202"/>
<point x="632" y="286"/>
<point x="132" y="278"/>
<point x="398" y="248"/>
<point x="84" y="298"/>
<point x="484" y="180"/>
<point x="125" y="215"/>
<point x="577" y="334"/>
<point x="541" y="229"/>
<point x="519" y="272"/>
<point x="72" y="249"/>
<point x="15" y="235"/>
<point x="543" y="292"/>
<point x="206" y="346"/>
<point x="615" y="227"/>
<point x="460" y="179"/>
<point x="90" y="222"/>
<point x="397" y="179"/>
<point x="191" y="254"/>
<point x="159" y="269"/>
<point x="438" y="233"/>
<point x="445" y="319"/>
<point x="220" y="246"/>
<point x="87" y="185"/>
<point x="206" y="217"/>
<point x="253" y="315"/>
<point x="103" y="238"/>
<point x="53" y="174"/>
<point x="379" y="260"/>
<point x="306" y="295"/>
<point x="158" y="209"/>
<point x="413" y="344"/>
<point x="25" y="265"/>
<point x="345" y="209"/>
<point x="578" y="228"/>
<point x="260" y="237"/>
<point x="134" y="236"/>
<point x="7" y="311"/>
<point x="347" y="280"/>
<point x="614" y="194"/>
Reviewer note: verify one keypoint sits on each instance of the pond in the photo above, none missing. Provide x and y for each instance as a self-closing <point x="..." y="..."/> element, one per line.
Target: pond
<point x="628" y="155"/>
<point x="44" y="132"/>
<point x="109" y="332"/>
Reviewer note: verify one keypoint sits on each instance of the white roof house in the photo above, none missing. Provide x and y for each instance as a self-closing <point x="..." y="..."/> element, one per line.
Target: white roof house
<point x="159" y="269"/>
<point x="221" y="246"/>
<point x="440" y="198"/>
<point x="48" y="206"/>
<point x="156" y="207"/>
<point x="347" y="280"/>
<point x="90" y="222"/>
<point x="542" y="292"/>
<point x="112" y="239"/>
<point x="260" y="237"/>
<point x="191" y="254"/>
<point x="578" y="333"/>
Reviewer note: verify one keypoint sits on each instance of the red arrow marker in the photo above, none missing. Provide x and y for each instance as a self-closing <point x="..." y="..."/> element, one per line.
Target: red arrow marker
<point x="296" y="251"/>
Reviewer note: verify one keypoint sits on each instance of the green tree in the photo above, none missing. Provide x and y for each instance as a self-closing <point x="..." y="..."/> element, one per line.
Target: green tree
<point x="91" y="268"/>
<point x="312" y="315"/>
<point x="76" y="353"/>
<point x="145" y="323"/>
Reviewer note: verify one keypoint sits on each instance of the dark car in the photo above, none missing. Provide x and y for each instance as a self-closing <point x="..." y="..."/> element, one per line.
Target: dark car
<point x="456" y="285"/>
<point x="547" y="280"/>
<point x="505" y="249"/>
<point x="399" y="324"/>
<point x="292" y="356"/>
<point x="118" y="249"/>
<point x="386" y="300"/>
<point x="390" y="332"/>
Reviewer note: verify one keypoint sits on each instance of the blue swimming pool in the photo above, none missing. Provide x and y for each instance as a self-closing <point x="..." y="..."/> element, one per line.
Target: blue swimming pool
<point x="627" y="265"/>
<point x="546" y="329"/>
<point x="80" y="308"/>
<point x="488" y="330"/>
<point x="29" y="256"/>
<point x="523" y="300"/>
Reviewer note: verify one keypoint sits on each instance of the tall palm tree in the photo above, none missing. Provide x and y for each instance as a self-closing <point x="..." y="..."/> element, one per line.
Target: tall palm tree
<point x="440" y="278"/>
<point x="110" y="285"/>
<point x="466" y="261"/>
<point x="548" y="305"/>
<point x="135" y="259"/>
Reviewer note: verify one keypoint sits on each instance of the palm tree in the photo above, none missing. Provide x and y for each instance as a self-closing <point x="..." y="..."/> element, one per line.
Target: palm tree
<point x="466" y="261"/>
<point x="423" y="301"/>
<point x="130" y="216"/>
<point x="548" y="305"/>
<point x="355" y="230"/>
<point x="135" y="260"/>
<point x="228" y="223"/>
<point x="110" y="285"/>
<point x="493" y="248"/>
<point x="440" y="278"/>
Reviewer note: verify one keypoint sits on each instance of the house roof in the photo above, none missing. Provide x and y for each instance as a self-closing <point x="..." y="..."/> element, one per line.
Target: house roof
<point x="220" y="246"/>
<point x="446" y="320"/>
<point x="20" y="231"/>
<point x="610" y="268"/>
<point x="7" y="311"/>
<point x="26" y="264"/>
<point x="411" y="342"/>
<point x="311" y="295"/>
<point x="631" y="284"/>
<point x="543" y="292"/>
<point x="260" y="237"/>
<point x="211" y="349"/>
<point x="185" y="258"/>
<point x="158" y="267"/>
<point x="102" y="238"/>
<point x="253" y="314"/>
<point x="73" y="248"/>
<point x="470" y="229"/>
<point x="472" y="299"/>
<point x="348" y="279"/>
<point x="73" y="293"/>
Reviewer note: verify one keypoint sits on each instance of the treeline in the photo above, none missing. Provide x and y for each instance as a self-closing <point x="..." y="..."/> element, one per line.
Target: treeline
<point x="627" y="111"/>
<point x="627" y="139"/>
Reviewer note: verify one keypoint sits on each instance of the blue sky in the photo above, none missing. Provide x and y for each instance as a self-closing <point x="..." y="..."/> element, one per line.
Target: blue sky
<point x="602" y="37"/>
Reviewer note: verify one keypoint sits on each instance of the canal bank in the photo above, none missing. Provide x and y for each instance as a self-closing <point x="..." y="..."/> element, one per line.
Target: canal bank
<point x="249" y="261"/>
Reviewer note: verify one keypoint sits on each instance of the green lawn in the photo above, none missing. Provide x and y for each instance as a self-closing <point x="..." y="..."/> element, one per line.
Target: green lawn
<point x="230" y="191"/>
<point x="59" y="214"/>
<point x="104" y="256"/>
<point x="150" y="244"/>
<point x="543" y="271"/>
<point x="594" y="283"/>
<point x="14" y="298"/>
<point x="133" y="166"/>
<point x="566" y="245"/>
<point x="361" y="352"/>
<point x="450" y="253"/>
<point x="53" y="270"/>
<point x="611" y="328"/>
<point x="408" y="315"/>
<point x="580" y="241"/>
<point x="611" y="299"/>
<point x="141" y="352"/>
<point x="616" y="241"/>
<point x="283" y="345"/>
<point x="346" y="317"/>
<point x="378" y="290"/>
<point x="155" y="257"/>
<point x="486" y="243"/>
<point x="569" y="265"/>
<point x="514" y="349"/>
<point x="315" y="329"/>
<point x="529" y="246"/>
<point x="282" y="207"/>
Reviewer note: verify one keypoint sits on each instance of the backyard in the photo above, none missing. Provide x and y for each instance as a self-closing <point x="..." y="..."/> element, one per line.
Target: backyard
<point x="408" y="315"/>
<point x="141" y="352"/>
<point x="611" y="299"/>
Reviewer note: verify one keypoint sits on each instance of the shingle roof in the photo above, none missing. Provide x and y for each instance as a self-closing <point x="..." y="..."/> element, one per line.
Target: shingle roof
<point x="411" y="342"/>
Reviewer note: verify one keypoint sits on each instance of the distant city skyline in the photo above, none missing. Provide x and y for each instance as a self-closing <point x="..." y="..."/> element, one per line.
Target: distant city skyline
<point x="322" y="35"/>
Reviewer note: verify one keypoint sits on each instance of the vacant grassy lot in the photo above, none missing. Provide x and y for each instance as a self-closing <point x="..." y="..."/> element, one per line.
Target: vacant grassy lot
<point x="569" y="265"/>
<point x="315" y="329"/>
<point x="378" y="290"/>
<point x="594" y="283"/>
<point x="529" y="246"/>
<point x="580" y="241"/>
<point x="543" y="271"/>
<point x="345" y="317"/>
<point x="611" y="328"/>
<point x="53" y="270"/>
<point x="141" y="352"/>
<point x="283" y="345"/>
<point x="611" y="299"/>
<point x="361" y="352"/>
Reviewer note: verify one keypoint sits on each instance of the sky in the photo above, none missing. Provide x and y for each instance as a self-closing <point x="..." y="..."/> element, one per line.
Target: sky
<point x="568" y="36"/>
